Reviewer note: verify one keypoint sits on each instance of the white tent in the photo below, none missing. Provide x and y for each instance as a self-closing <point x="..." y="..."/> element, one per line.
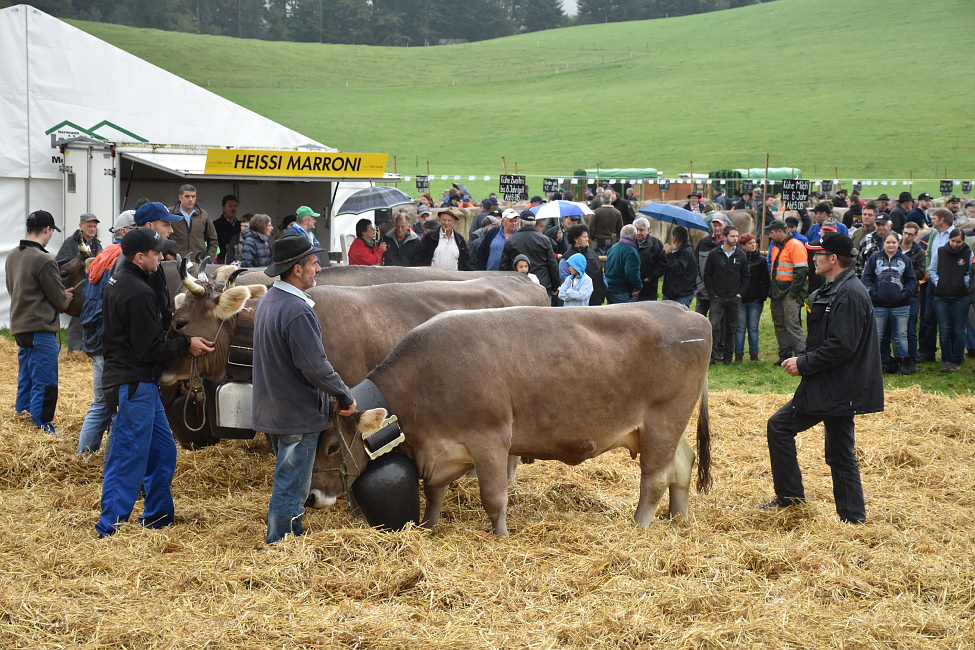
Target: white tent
<point x="59" y="83"/>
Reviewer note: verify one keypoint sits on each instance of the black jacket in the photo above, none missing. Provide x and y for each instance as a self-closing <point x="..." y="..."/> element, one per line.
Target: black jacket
<point x="428" y="245"/>
<point x="653" y="263"/>
<point x="840" y="366"/>
<point x="953" y="267"/>
<point x="704" y="248"/>
<point x="400" y="253"/>
<point x="626" y="210"/>
<point x="69" y="249"/>
<point x="680" y="277"/>
<point x="133" y="337"/>
<point x="559" y="244"/>
<point x="724" y="276"/>
<point x="538" y="249"/>
<point x="757" y="290"/>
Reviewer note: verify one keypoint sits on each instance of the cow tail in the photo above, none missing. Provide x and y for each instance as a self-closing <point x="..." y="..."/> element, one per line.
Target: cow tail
<point x="704" y="443"/>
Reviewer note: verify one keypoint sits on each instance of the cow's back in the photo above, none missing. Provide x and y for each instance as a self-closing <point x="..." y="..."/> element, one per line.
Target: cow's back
<point x="365" y="276"/>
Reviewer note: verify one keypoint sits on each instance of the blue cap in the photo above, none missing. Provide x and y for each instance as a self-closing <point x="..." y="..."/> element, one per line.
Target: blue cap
<point x="154" y="211"/>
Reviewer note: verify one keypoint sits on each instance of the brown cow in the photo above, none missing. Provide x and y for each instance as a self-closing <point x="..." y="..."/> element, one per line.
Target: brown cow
<point x="360" y="325"/>
<point x="365" y="276"/>
<point x="640" y="398"/>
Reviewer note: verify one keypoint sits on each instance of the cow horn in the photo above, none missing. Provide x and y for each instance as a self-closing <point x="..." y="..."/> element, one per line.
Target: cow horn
<point x="189" y="282"/>
<point x="181" y="263"/>
<point x="202" y="275"/>
<point x="84" y="250"/>
<point x="233" y="277"/>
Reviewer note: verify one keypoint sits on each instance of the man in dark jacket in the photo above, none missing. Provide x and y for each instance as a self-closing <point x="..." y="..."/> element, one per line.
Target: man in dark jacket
<point x="292" y="381"/>
<point x="680" y="276"/>
<point x="653" y="260"/>
<point x="604" y="225"/>
<point x="623" y="206"/>
<point x="401" y="243"/>
<point x="841" y="377"/>
<point x="898" y="216"/>
<point x="143" y="453"/>
<point x="444" y="247"/>
<point x="704" y="248"/>
<point x="744" y="201"/>
<point x="87" y="234"/>
<point x="537" y="248"/>
<point x="726" y="275"/>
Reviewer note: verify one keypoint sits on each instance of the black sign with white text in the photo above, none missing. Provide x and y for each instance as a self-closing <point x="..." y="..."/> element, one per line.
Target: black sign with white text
<point x="947" y="187"/>
<point x="966" y="187"/>
<point x="550" y="186"/>
<point x="747" y="186"/>
<point x="512" y="187"/>
<point x="826" y="186"/>
<point x="664" y="186"/>
<point x="423" y="182"/>
<point x="795" y="193"/>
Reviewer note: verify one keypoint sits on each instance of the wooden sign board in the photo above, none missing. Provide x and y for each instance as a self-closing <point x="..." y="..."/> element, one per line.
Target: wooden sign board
<point x="512" y="187"/>
<point x="795" y="193"/>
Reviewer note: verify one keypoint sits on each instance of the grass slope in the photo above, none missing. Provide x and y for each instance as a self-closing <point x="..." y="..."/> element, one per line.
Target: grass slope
<point x="876" y="88"/>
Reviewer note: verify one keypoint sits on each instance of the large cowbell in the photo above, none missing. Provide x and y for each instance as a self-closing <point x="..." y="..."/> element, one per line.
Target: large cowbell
<point x="388" y="489"/>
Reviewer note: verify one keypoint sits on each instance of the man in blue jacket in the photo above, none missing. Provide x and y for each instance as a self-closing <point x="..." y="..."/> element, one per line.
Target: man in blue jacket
<point x="841" y="377"/>
<point x="292" y="380"/>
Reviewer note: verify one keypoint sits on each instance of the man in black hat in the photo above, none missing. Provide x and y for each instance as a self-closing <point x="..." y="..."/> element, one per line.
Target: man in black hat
<point x="135" y="344"/>
<point x="841" y="377"/>
<point x="744" y="201"/>
<point x="898" y="216"/>
<point x="36" y="298"/>
<point x="693" y="202"/>
<point x="919" y="214"/>
<point x="839" y="201"/>
<point x="293" y="380"/>
<point x="882" y="202"/>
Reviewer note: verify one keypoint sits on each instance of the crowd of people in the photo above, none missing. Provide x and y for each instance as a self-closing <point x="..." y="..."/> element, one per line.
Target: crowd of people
<point x="906" y="271"/>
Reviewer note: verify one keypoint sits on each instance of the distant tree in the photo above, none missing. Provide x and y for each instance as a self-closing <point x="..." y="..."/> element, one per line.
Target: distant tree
<point x="538" y="15"/>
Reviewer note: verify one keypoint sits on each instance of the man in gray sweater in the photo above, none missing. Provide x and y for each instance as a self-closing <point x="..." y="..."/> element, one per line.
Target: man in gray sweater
<point x="292" y="380"/>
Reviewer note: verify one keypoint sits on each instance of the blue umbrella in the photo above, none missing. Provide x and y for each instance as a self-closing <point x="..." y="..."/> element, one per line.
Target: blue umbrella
<point x="376" y="197"/>
<point x="673" y="214"/>
<point x="560" y="209"/>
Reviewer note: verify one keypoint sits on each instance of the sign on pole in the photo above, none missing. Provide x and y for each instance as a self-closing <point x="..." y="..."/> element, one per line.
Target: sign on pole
<point x="795" y="193"/>
<point x="512" y="187"/>
<point x="857" y="187"/>
<point x="966" y="187"/>
<point x="550" y="186"/>
<point x="747" y="186"/>
<point x="422" y="183"/>
<point x="664" y="185"/>
<point x="947" y="187"/>
<point x="826" y="186"/>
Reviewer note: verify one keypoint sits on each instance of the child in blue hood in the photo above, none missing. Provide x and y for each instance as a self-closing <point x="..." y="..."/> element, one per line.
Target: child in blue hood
<point x="577" y="287"/>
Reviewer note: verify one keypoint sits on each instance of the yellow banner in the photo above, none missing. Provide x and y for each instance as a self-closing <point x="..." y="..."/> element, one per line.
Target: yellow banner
<point x="240" y="162"/>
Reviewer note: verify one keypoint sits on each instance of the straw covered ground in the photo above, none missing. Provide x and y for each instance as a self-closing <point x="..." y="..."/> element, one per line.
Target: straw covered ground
<point x="575" y="572"/>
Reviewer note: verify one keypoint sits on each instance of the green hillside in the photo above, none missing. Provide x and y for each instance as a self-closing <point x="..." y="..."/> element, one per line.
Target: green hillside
<point x="876" y="89"/>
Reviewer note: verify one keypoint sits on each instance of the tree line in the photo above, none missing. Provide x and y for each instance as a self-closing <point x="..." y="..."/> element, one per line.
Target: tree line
<point x="405" y="23"/>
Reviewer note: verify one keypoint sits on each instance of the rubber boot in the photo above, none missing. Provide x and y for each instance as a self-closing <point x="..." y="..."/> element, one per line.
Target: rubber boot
<point x="753" y="355"/>
<point x="739" y="356"/>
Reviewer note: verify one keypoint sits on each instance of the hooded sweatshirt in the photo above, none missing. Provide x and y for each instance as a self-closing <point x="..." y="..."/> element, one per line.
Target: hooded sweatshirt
<point x="576" y="289"/>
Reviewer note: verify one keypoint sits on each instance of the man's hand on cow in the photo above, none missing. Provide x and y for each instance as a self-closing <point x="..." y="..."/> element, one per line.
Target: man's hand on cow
<point x="791" y="366"/>
<point x="69" y="293"/>
<point x="348" y="411"/>
<point x="200" y="346"/>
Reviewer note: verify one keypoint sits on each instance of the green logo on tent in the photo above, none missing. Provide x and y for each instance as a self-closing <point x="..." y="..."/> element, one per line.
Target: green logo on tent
<point x="92" y="131"/>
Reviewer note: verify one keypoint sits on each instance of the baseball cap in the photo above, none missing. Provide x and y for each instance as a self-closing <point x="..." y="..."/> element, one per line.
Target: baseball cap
<point x="527" y="215"/>
<point x="423" y="209"/>
<point x="575" y="217"/>
<point x="154" y="211"/>
<point x="828" y="226"/>
<point x="485" y="203"/>
<point x="717" y="217"/>
<point x="89" y="217"/>
<point x="509" y="214"/>
<point x="882" y="221"/>
<point x="776" y="224"/>
<point x="143" y="240"/>
<point x="124" y="220"/>
<point x="305" y="211"/>
<point x="537" y="199"/>
<point x="924" y="196"/>
<point x="834" y="242"/>
<point x="41" y="219"/>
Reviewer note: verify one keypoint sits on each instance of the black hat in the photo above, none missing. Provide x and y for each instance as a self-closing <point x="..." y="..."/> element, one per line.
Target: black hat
<point x="905" y="196"/>
<point x="923" y="196"/>
<point x="143" y="240"/>
<point x="836" y="243"/>
<point x="288" y="251"/>
<point x="883" y="197"/>
<point x="842" y="191"/>
<point x="824" y="208"/>
<point x="776" y="224"/>
<point x="41" y="219"/>
<point x="693" y="194"/>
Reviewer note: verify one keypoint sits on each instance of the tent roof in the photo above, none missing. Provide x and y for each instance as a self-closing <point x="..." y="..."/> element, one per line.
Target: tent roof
<point x="618" y="173"/>
<point x="774" y="173"/>
<point x="57" y="81"/>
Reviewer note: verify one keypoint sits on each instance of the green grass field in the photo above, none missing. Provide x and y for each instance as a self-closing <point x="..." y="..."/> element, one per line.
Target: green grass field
<point x="876" y="89"/>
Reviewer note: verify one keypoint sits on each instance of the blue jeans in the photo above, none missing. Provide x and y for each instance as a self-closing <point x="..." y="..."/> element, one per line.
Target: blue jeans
<point x="292" y="483"/>
<point x="952" y="326"/>
<point x="142" y="454"/>
<point x="617" y="297"/>
<point x="686" y="300"/>
<point x="897" y="317"/>
<point x="748" y="317"/>
<point x="99" y="417"/>
<point x="37" y="380"/>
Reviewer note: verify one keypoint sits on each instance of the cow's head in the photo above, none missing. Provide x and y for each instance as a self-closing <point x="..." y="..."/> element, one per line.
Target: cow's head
<point x="72" y="276"/>
<point x="341" y="457"/>
<point x="208" y="309"/>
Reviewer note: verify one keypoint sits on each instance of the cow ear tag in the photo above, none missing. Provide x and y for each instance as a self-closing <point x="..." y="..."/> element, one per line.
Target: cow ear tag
<point x="383" y="438"/>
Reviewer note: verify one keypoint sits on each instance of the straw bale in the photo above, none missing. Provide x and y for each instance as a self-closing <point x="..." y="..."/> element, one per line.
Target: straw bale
<point x="575" y="572"/>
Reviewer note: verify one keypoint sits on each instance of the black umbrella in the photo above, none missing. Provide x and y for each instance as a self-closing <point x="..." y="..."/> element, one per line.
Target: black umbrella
<point x="376" y="197"/>
<point x="463" y="190"/>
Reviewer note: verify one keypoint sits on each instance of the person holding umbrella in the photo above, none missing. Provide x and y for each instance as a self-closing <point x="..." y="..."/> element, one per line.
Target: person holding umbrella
<point x="366" y="250"/>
